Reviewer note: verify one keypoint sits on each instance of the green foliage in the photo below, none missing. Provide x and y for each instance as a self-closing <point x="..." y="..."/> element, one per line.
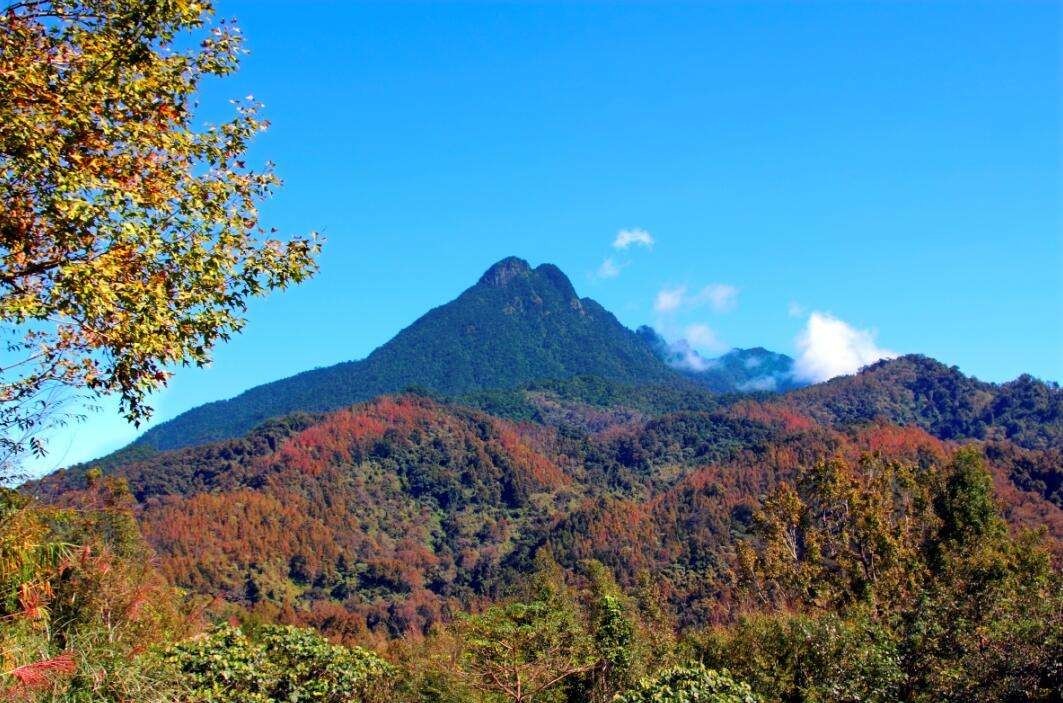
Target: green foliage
<point x="692" y="683"/>
<point x="912" y="586"/>
<point x="615" y="635"/>
<point x="987" y="627"/>
<point x="279" y="664"/>
<point x="916" y="390"/>
<point x="824" y="659"/>
<point x="546" y="400"/>
<point x="966" y="505"/>
<point x="221" y="666"/>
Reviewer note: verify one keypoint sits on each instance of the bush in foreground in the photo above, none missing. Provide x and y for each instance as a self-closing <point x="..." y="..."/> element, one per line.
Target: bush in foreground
<point x="282" y="663"/>
<point x="692" y="683"/>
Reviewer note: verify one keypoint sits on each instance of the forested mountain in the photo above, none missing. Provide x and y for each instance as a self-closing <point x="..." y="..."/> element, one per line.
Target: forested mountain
<point x="377" y="500"/>
<point x="515" y="326"/>
<point x="516" y="499"/>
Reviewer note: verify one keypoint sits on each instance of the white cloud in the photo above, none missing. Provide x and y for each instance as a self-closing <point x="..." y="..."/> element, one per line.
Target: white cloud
<point x="829" y="347"/>
<point x="795" y="309"/>
<point x="686" y="348"/>
<point x="626" y="237"/>
<point x="721" y="297"/>
<point x="701" y="336"/>
<point x="669" y="299"/>
<point x="685" y="356"/>
<point x="608" y="269"/>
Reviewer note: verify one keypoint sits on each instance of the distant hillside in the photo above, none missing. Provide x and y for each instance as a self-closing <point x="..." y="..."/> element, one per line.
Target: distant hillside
<point x="394" y="514"/>
<point x="917" y="390"/>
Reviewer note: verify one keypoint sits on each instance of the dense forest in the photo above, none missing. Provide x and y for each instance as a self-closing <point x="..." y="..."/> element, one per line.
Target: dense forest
<point x="772" y="536"/>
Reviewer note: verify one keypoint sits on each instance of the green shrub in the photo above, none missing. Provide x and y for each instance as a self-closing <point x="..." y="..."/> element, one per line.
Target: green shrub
<point x="282" y="664"/>
<point x="816" y="659"/>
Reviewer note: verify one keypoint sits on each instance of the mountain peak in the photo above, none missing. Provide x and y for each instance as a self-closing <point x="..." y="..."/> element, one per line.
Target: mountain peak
<point x="517" y="325"/>
<point x="505" y="271"/>
<point x="557" y="278"/>
<point x="513" y="268"/>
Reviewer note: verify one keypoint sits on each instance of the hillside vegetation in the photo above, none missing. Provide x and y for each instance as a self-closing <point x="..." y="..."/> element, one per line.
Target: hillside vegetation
<point x="585" y="534"/>
<point x="393" y="514"/>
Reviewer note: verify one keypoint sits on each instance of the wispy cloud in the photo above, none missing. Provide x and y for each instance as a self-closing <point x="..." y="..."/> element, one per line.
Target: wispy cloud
<point x="687" y="348"/>
<point x="830" y="347"/>
<point x="721" y="297"/>
<point x="760" y="383"/>
<point x="608" y="269"/>
<point x="625" y="239"/>
<point x="795" y="309"/>
<point x="682" y="355"/>
<point x="637" y="237"/>
<point x="669" y="299"/>
<point x="701" y="336"/>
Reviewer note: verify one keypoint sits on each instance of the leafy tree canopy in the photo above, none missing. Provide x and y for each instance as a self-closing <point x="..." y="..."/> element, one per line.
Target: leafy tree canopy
<point x="130" y="238"/>
<point x="692" y="683"/>
<point x="281" y="664"/>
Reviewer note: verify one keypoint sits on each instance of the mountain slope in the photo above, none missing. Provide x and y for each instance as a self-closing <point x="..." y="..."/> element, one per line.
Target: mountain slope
<point x="516" y="325"/>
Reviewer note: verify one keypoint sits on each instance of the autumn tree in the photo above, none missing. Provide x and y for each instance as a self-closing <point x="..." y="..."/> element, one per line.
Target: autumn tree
<point x="130" y="238"/>
<point x="81" y="606"/>
<point x="886" y="582"/>
<point x="842" y="534"/>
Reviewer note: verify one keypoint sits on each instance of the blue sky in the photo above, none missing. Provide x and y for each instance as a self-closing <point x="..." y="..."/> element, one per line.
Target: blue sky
<point x="892" y="168"/>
